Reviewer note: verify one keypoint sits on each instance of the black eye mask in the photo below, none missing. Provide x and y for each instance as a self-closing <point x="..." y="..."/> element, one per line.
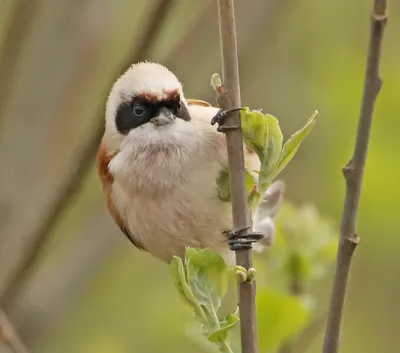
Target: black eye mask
<point x="139" y="111"/>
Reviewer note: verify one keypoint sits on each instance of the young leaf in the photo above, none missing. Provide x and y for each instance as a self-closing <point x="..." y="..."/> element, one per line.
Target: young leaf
<point x="292" y="145"/>
<point x="226" y="324"/>
<point x="189" y="252"/>
<point x="184" y="290"/>
<point x="216" y="81"/>
<point x="207" y="267"/>
<point x="274" y="147"/>
<point x="224" y="186"/>
<point x="255" y="131"/>
<point x="251" y="181"/>
<point x="202" y="281"/>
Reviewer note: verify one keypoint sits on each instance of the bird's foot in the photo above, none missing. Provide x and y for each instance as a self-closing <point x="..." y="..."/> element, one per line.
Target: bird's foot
<point x="243" y="275"/>
<point x="240" y="239"/>
<point x="220" y="117"/>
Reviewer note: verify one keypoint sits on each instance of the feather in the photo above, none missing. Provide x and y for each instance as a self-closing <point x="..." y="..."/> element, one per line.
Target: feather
<point x="265" y="212"/>
<point x="103" y="160"/>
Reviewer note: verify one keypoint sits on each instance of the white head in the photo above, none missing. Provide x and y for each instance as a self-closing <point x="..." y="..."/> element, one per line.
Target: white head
<point x="148" y="131"/>
<point x="144" y="102"/>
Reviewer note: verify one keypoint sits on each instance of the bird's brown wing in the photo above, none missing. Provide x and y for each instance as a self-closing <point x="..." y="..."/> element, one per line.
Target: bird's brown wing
<point x="103" y="160"/>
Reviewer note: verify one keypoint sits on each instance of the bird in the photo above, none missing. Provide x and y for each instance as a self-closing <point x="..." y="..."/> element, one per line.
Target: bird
<point x="158" y="162"/>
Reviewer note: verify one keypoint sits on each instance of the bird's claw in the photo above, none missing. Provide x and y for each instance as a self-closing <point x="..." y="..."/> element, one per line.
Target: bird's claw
<point x="239" y="239"/>
<point x="220" y="117"/>
<point x="244" y="275"/>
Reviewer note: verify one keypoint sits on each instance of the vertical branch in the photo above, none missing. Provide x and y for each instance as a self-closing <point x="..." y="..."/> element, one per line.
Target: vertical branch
<point x="353" y="174"/>
<point x="230" y="98"/>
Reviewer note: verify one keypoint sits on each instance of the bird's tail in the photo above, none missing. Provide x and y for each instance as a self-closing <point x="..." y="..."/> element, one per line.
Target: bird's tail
<point x="263" y="218"/>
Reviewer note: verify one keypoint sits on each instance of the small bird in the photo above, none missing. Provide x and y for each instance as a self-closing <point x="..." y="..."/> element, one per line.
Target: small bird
<point x="158" y="162"/>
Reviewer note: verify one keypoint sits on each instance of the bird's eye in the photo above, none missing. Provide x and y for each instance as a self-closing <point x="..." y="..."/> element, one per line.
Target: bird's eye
<point x="138" y="110"/>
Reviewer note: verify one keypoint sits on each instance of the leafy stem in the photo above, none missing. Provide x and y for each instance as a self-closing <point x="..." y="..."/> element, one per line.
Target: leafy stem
<point x="224" y="347"/>
<point x="201" y="280"/>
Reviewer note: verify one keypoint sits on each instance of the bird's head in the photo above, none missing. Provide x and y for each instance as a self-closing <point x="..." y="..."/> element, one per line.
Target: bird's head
<point x="144" y="102"/>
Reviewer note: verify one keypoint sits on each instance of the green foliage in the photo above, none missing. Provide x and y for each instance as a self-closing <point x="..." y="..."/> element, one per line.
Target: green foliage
<point x="216" y="81"/>
<point x="304" y="251"/>
<point x="224" y="185"/>
<point x="306" y="243"/>
<point x="226" y="323"/>
<point x="261" y="132"/>
<point x="290" y="148"/>
<point x="280" y="316"/>
<point x="255" y="131"/>
<point x="201" y="280"/>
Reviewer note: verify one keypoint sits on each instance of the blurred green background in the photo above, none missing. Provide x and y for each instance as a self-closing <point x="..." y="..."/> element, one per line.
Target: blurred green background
<point x="87" y="290"/>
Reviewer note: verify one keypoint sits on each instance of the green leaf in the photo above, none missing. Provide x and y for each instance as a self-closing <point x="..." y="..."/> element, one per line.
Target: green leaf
<point x="207" y="268"/>
<point x="224" y="185"/>
<point x="226" y="324"/>
<point x="250" y="182"/>
<point x="202" y="282"/>
<point x="178" y="273"/>
<point x="180" y="283"/>
<point x="255" y="131"/>
<point x="275" y="139"/>
<point x="292" y="145"/>
<point x="280" y="316"/>
<point x="189" y="252"/>
<point x="216" y="81"/>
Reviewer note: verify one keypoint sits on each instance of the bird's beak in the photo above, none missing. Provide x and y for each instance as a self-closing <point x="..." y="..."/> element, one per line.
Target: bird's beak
<point x="164" y="117"/>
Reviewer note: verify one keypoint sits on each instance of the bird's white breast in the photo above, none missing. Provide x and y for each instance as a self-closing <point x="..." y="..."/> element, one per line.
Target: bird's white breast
<point x="165" y="187"/>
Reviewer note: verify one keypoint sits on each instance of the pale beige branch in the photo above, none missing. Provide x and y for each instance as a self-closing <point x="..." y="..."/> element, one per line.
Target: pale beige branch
<point x="228" y="98"/>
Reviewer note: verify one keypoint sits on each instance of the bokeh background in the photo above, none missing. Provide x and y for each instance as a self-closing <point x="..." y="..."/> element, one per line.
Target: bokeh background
<point x="69" y="281"/>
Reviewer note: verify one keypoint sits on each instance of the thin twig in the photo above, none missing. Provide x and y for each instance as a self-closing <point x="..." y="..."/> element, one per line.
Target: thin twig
<point x="353" y="174"/>
<point x="230" y="98"/>
<point x="9" y="336"/>
<point x="83" y="164"/>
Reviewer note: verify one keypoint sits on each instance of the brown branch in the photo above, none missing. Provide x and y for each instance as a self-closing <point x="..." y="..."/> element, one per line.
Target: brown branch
<point x="230" y="98"/>
<point x="80" y="169"/>
<point x="353" y="174"/>
<point x="9" y="336"/>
